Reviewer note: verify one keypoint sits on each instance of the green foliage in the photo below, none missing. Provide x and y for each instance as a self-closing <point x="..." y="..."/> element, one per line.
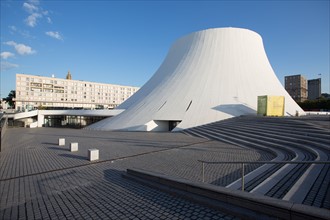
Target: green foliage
<point x="11" y="98"/>
<point x="40" y="107"/>
<point x="315" y="105"/>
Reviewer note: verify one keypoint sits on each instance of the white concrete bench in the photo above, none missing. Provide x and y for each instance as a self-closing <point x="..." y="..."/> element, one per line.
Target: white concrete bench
<point x="93" y="154"/>
<point x="61" y="141"/>
<point x="74" y="146"/>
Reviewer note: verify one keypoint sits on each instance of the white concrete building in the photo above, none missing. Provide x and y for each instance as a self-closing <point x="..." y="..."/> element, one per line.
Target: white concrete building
<point x="54" y="93"/>
<point x="207" y="76"/>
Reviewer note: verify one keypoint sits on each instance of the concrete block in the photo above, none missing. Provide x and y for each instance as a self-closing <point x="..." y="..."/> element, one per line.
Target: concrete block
<point x="61" y="141"/>
<point x="74" y="146"/>
<point x="93" y="154"/>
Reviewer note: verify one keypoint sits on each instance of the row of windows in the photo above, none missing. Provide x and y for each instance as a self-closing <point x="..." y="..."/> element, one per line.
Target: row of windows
<point x="22" y="94"/>
<point x="73" y="98"/>
<point x="118" y="101"/>
<point x="60" y="90"/>
<point x="36" y="104"/>
<point x="38" y="82"/>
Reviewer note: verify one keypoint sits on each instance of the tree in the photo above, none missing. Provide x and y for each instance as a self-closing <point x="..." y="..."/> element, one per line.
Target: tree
<point x="316" y="105"/>
<point x="11" y="98"/>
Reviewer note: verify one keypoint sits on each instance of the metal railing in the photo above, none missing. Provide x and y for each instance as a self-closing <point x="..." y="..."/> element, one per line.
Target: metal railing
<point x="243" y="163"/>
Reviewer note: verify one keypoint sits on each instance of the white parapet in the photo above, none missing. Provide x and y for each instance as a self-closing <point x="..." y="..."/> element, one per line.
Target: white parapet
<point x="93" y="154"/>
<point x="61" y="141"/>
<point x="74" y="146"/>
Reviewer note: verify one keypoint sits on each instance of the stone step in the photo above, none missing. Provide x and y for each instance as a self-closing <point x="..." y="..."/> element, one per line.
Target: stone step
<point x="292" y="182"/>
<point x="320" y="142"/>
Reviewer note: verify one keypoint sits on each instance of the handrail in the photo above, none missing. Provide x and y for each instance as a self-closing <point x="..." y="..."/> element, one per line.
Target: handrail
<point x="264" y="162"/>
<point x="254" y="162"/>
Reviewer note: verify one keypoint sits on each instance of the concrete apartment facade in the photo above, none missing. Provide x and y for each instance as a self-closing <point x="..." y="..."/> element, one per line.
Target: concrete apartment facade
<point x="314" y="89"/>
<point x="34" y="92"/>
<point x="296" y="86"/>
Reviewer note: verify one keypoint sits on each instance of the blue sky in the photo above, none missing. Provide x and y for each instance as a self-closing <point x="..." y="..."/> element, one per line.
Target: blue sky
<point x="124" y="42"/>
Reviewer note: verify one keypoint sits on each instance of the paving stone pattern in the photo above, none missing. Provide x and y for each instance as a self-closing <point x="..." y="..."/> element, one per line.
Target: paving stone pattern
<point x="41" y="180"/>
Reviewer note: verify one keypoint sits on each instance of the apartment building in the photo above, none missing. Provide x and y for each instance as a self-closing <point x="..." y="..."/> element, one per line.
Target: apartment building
<point x="42" y="92"/>
<point x="296" y="86"/>
<point x="314" y="89"/>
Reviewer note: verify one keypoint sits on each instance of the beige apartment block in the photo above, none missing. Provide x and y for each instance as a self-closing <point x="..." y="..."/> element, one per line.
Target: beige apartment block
<point x="40" y="92"/>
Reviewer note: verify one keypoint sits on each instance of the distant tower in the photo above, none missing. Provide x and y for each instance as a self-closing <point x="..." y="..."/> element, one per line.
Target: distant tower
<point x="68" y="76"/>
<point x="296" y="86"/>
<point x="314" y="89"/>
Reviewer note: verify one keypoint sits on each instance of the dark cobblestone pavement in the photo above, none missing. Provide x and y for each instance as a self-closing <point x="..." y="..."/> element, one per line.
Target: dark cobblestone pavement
<point x="41" y="180"/>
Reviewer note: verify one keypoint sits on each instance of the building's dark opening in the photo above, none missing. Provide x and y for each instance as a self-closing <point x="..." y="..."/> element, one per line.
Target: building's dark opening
<point x="173" y="124"/>
<point x="70" y="121"/>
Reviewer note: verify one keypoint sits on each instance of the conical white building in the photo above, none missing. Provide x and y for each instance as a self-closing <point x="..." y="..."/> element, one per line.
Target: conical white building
<point x="207" y="76"/>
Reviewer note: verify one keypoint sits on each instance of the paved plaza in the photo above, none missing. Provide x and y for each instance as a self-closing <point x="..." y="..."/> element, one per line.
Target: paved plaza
<point x="41" y="180"/>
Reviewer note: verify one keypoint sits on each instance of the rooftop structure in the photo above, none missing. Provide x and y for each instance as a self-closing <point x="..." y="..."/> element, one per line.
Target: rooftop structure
<point x="207" y="76"/>
<point x="34" y="92"/>
<point x="68" y="76"/>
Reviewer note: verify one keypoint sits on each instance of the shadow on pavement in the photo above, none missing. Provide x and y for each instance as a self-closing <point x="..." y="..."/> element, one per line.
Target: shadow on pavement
<point x="73" y="156"/>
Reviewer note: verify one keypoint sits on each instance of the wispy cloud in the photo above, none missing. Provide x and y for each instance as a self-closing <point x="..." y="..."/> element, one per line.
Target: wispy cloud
<point x="5" y="55"/>
<point x="4" y="65"/>
<point x="32" y="19"/>
<point x="13" y="29"/>
<point x="54" y="34"/>
<point x="36" y="12"/>
<point x="36" y="2"/>
<point x="30" y="8"/>
<point x="21" y="48"/>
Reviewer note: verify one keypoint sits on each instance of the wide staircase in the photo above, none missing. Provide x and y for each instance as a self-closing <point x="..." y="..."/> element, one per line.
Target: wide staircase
<point x="290" y="139"/>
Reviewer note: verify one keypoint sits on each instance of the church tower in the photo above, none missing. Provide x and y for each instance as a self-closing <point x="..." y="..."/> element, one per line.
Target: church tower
<point x="68" y="76"/>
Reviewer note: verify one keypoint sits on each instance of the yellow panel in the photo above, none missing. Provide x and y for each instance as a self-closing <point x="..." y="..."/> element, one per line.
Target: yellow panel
<point x="275" y="106"/>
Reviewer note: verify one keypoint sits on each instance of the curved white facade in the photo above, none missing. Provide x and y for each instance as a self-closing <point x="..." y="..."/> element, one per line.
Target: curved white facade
<point x="207" y="76"/>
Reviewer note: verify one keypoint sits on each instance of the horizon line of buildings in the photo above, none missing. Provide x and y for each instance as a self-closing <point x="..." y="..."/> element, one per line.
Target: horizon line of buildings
<point x="42" y="92"/>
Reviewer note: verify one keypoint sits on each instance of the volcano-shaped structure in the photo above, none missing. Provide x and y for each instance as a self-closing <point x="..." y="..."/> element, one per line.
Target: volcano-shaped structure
<point x="207" y="76"/>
